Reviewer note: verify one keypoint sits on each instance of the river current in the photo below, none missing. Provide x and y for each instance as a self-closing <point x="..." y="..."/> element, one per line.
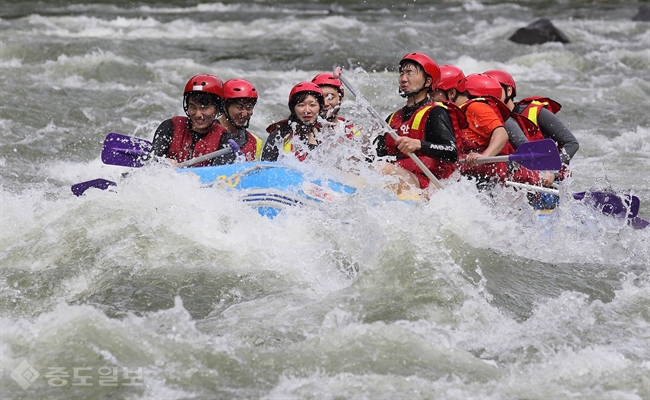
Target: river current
<point x="162" y="289"/>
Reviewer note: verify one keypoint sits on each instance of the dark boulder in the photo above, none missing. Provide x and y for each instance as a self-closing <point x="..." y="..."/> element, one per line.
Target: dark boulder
<point x="538" y="32"/>
<point x="643" y="14"/>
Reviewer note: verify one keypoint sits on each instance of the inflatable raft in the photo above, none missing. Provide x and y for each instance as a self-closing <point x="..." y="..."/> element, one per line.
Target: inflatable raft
<point x="270" y="187"/>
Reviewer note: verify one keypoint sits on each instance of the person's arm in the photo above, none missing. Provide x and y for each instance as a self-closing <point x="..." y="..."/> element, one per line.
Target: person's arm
<point x="491" y="124"/>
<point x="553" y="128"/>
<point x="497" y="141"/>
<point x="515" y="135"/>
<point x="162" y="139"/>
<point x="271" y="149"/>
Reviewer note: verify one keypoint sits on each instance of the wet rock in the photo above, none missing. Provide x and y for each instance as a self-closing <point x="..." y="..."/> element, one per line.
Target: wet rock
<point x="643" y="14"/>
<point x="538" y="32"/>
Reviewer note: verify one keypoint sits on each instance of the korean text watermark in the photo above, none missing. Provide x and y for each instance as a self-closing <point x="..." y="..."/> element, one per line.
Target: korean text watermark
<point x="25" y="374"/>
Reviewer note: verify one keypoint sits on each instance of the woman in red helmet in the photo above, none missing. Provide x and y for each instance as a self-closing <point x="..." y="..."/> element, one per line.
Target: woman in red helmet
<point x="183" y="138"/>
<point x="298" y="133"/>
<point x="423" y="128"/>
<point x="541" y="112"/>
<point x="240" y="97"/>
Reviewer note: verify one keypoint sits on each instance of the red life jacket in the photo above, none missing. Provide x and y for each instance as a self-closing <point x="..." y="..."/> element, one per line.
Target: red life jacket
<point x="180" y="149"/>
<point x="533" y="106"/>
<point x="414" y="128"/>
<point x="531" y="131"/>
<point x="252" y="149"/>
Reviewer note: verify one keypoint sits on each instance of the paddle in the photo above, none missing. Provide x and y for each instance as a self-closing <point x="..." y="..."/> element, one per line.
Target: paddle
<point x="130" y="151"/>
<point x="103" y="184"/>
<point x="127" y="151"/>
<point x="638" y="223"/>
<point x="536" y="155"/>
<point x="357" y="94"/>
<point x="608" y="203"/>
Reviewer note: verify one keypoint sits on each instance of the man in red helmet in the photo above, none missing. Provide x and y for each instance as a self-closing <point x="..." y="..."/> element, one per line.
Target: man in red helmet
<point x="299" y="133"/>
<point x="333" y="93"/>
<point x="183" y="138"/>
<point x="540" y="111"/>
<point x="239" y="99"/>
<point x="336" y="126"/>
<point x="423" y="128"/>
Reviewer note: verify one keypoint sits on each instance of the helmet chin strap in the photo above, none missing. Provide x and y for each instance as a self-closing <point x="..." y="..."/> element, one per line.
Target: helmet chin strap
<point x="413" y="92"/>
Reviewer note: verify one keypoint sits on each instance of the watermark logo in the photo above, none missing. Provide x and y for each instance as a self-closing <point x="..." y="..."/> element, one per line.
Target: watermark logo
<point x="25" y="374"/>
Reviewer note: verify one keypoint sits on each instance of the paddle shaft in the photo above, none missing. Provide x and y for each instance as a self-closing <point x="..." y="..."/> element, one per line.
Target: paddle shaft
<point x="388" y="129"/>
<point x="533" y="187"/>
<point x="536" y="155"/>
<point x="233" y="148"/>
<point x="626" y="206"/>
<point x="495" y="159"/>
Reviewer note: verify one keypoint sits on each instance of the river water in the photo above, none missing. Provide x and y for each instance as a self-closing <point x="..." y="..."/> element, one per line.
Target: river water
<point x="166" y="290"/>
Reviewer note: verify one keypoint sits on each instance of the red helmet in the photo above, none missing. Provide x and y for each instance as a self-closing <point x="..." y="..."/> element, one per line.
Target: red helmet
<point x="479" y="85"/>
<point x="306" y="87"/>
<point x="430" y="67"/>
<point x="503" y="78"/>
<point x="327" y="79"/>
<point x="204" y="83"/>
<point x="452" y="77"/>
<point x="239" y="89"/>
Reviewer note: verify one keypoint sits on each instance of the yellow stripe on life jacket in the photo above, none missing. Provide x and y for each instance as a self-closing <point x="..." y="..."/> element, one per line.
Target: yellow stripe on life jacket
<point x="259" y="145"/>
<point x="287" y="146"/>
<point x="417" y="120"/>
<point x="533" y="110"/>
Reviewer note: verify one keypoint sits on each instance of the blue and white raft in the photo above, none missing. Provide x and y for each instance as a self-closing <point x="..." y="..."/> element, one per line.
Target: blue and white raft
<point x="271" y="187"/>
